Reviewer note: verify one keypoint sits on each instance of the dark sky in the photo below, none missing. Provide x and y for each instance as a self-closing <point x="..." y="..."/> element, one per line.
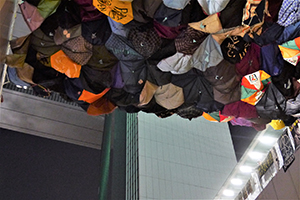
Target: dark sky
<point x="34" y="168"/>
<point x="241" y="137"/>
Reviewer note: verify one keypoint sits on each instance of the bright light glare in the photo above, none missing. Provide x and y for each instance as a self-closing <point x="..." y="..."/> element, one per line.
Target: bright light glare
<point x="236" y="181"/>
<point x="256" y="155"/>
<point x="267" y="140"/>
<point x="246" y="169"/>
<point x="228" y="193"/>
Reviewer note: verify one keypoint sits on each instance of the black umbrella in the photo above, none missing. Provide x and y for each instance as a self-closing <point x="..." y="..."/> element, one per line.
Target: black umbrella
<point x="96" y="32"/>
<point x="132" y="64"/>
<point x="134" y="75"/>
<point x="197" y="90"/>
<point x="156" y="76"/>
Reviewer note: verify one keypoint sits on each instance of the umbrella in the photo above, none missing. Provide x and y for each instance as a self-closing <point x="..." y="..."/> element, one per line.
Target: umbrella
<point x="217" y="117"/>
<point x="254" y="12"/>
<point x="78" y="49"/>
<point x="156" y="76"/>
<point x="31" y="15"/>
<point x="120" y="11"/>
<point x="211" y="7"/>
<point x="147" y="93"/>
<point x="122" y="48"/>
<point x="102" y="58"/>
<point x="134" y="75"/>
<point x="132" y="64"/>
<point x="122" y="98"/>
<point x="19" y="48"/>
<point x="176" y="4"/>
<point x="208" y="54"/>
<point x="225" y="82"/>
<point x="253" y="86"/>
<point x="145" y="39"/>
<point x="96" y="32"/>
<point x="88" y="11"/>
<point x="95" y="80"/>
<point x="100" y="107"/>
<point x="272" y="105"/>
<point x="176" y="64"/>
<point x="189" y="112"/>
<point x="169" y="96"/>
<point x="197" y="90"/>
<point x="62" y="63"/>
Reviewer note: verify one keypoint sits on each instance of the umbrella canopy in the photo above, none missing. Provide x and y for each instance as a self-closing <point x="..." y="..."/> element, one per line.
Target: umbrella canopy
<point x="211" y="7"/>
<point x="254" y="12"/>
<point x="134" y="75"/>
<point x="217" y="117"/>
<point x="100" y="107"/>
<point x="96" y="32"/>
<point x="189" y="112"/>
<point x="176" y="64"/>
<point x="42" y="43"/>
<point x="122" y="98"/>
<point x="234" y="48"/>
<point x="188" y="41"/>
<point x="88" y="11"/>
<point x="132" y="64"/>
<point x="272" y="105"/>
<point x="156" y="76"/>
<point x="120" y="11"/>
<point x="197" y="90"/>
<point x="19" y="48"/>
<point x="145" y="39"/>
<point x="253" y="86"/>
<point x="169" y="96"/>
<point x="95" y="80"/>
<point x="208" y="54"/>
<point x="62" y="63"/>
<point x="225" y="82"/>
<point x="102" y="58"/>
<point x="251" y="62"/>
<point x="64" y="34"/>
<point x="31" y="15"/>
<point x="122" y="48"/>
<point x="176" y="4"/>
<point x="147" y="93"/>
<point x="78" y="49"/>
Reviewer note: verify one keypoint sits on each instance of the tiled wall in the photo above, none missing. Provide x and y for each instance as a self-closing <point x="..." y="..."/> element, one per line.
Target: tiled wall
<point x="182" y="159"/>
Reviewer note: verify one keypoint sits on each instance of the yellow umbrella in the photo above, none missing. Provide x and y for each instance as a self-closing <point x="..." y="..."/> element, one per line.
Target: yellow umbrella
<point x="119" y="11"/>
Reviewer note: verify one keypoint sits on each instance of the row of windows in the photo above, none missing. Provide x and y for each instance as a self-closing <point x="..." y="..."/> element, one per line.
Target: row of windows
<point x="132" y="172"/>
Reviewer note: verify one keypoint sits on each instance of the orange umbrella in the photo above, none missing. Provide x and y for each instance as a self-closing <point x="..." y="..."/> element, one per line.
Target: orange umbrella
<point x="119" y="11"/>
<point x="100" y="107"/>
<point x="62" y="63"/>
